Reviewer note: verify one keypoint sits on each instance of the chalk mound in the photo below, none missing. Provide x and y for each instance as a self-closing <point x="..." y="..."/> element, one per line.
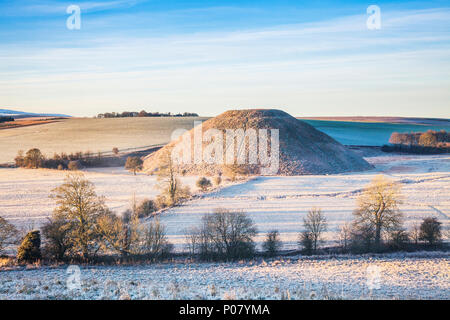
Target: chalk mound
<point x="302" y="148"/>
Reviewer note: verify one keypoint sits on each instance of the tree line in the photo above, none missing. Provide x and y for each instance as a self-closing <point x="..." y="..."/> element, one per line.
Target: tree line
<point x="34" y="159"/>
<point x="428" y="142"/>
<point x="83" y="228"/>
<point x="143" y="113"/>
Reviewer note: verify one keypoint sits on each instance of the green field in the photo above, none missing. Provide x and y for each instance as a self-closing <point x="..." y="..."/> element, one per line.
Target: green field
<point x="87" y="134"/>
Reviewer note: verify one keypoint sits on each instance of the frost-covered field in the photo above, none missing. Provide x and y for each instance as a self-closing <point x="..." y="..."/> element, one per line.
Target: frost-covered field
<point x="282" y="202"/>
<point x="86" y="134"/>
<point x="406" y="276"/>
<point x="272" y="202"/>
<point x="24" y="193"/>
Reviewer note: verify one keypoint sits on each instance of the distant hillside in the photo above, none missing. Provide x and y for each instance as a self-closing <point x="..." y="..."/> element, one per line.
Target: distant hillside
<point x="402" y="120"/>
<point x="21" y="114"/>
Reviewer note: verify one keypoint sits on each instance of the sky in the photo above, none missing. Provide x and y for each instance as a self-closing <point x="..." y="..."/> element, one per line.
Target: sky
<point x="308" y="58"/>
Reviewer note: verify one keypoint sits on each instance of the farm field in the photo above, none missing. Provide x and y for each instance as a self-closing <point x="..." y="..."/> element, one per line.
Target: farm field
<point x="282" y="202"/>
<point x="391" y="276"/>
<point x="87" y="134"/>
<point x="272" y="202"/>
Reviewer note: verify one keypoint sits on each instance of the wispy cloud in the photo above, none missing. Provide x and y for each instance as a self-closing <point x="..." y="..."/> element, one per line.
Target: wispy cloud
<point x="43" y="8"/>
<point x="320" y="66"/>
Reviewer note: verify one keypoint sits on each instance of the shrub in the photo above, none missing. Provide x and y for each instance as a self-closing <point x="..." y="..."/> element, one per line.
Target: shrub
<point x="7" y="233"/>
<point x="204" y="184"/>
<point x="272" y="244"/>
<point x="430" y="231"/>
<point x="74" y="165"/>
<point x="161" y="202"/>
<point x="146" y="208"/>
<point x="30" y="249"/>
<point x="306" y="242"/>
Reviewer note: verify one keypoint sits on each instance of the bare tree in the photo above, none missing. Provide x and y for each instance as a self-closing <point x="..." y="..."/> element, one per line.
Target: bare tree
<point x="119" y="234"/>
<point x="155" y="243"/>
<point x="345" y="235"/>
<point x="378" y="207"/>
<point x="80" y="206"/>
<point x="225" y="234"/>
<point x="414" y="234"/>
<point x="315" y="224"/>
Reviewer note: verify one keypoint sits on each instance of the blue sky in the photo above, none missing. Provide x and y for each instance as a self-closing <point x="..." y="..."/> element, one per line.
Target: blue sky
<point x="309" y="58"/>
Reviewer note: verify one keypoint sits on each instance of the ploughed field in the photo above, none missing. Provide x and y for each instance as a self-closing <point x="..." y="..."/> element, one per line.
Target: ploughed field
<point x="272" y="202"/>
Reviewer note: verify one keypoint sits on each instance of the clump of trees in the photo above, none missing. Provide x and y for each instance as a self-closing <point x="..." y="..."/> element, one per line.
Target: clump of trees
<point x="143" y="113"/>
<point x="146" y="208"/>
<point x="34" y="159"/>
<point x="377" y="212"/>
<point x="234" y="171"/>
<point x="428" y="142"/>
<point x="80" y="207"/>
<point x="82" y="226"/>
<point x="172" y="191"/>
<point x="29" y="250"/>
<point x="223" y="235"/>
<point x="430" y="231"/>
<point x="204" y="184"/>
<point x="378" y="222"/>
